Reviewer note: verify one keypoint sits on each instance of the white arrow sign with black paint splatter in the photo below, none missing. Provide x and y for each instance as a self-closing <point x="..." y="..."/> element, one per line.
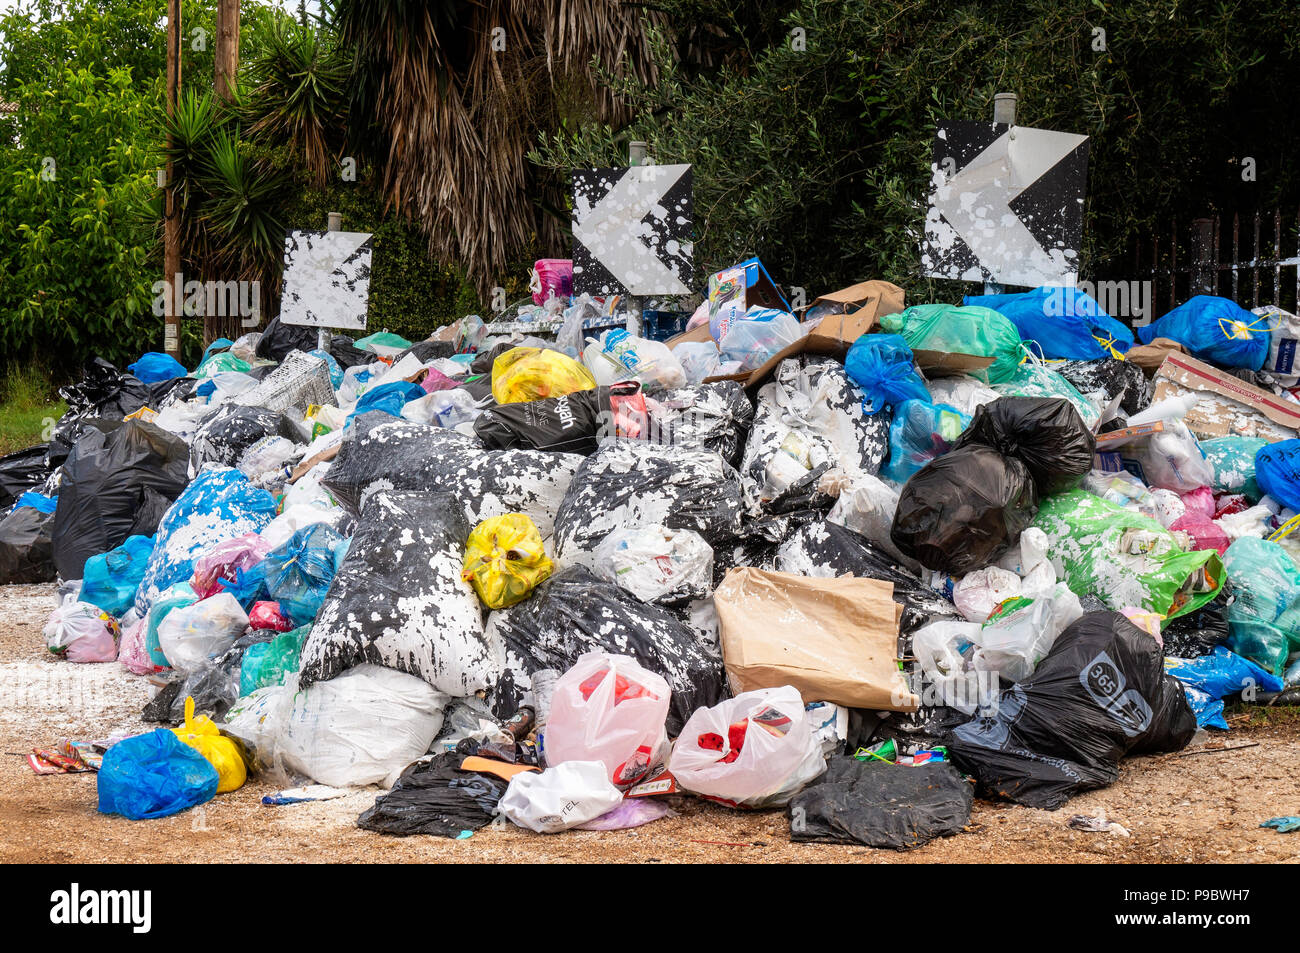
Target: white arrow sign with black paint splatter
<point x="1005" y="205"/>
<point x="632" y="231"/>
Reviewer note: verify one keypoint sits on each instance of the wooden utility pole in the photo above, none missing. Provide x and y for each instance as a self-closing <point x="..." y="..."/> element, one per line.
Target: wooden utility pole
<point x="227" y="58"/>
<point x="171" y="210"/>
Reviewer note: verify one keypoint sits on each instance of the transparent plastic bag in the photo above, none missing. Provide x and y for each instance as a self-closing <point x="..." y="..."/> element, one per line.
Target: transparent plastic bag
<point x="1020" y="634"/>
<point x="192" y="634"/>
<point x="699" y="359"/>
<point x="620" y="356"/>
<point x="754" y="750"/>
<point x="657" y="564"/>
<point x="753" y="340"/>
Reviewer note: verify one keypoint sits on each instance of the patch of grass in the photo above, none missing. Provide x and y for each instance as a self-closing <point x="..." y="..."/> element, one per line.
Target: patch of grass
<point x="29" y="406"/>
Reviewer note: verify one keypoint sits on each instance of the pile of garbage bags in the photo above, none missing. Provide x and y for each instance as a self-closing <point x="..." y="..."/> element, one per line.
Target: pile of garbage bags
<point x="860" y="562"/>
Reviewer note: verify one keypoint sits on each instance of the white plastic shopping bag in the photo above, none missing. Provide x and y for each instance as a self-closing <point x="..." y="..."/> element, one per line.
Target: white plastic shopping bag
<point x="607" y="708"/>
<point x="559" y="798"/>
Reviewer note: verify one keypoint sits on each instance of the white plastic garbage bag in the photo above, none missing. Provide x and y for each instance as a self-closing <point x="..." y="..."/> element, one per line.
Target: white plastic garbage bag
<point x="754" y="750"/>
<point x="363" y="727"/>
<point x="943" y="651"/>
<point x="868" y="508"/>
<point x="559" y="798"/>
<point x="620" y="356"/>
<point x="1173" y="459"/>
<point x="657" y="564"/>
<point x="1013" y="643"/>
<point x="978" y="593"/>
<point x="190" y="635"/>
<point x="607" y="708"/>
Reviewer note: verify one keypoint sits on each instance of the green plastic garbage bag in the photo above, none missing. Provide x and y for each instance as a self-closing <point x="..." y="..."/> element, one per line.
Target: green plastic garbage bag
<point x="1264" y="615"/>
<point x="384" y="343"/>
<point x="1233" y="460"/>
<point x="220" y="363"/>
<point x="954" y="330"/>
<point x="270" y="663"/>
<point x="1125" y="558"/>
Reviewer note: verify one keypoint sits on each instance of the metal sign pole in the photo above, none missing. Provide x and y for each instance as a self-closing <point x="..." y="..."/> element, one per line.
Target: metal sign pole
<point x="1004" y="111"/>
<point x="334" y="224"/>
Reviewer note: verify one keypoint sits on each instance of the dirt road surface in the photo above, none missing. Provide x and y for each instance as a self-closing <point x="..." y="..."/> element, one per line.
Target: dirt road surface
<point x="1185" y="807"/>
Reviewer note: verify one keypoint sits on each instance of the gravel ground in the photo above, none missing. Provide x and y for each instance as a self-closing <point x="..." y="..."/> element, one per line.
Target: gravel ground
<point x="1184" y="807"/>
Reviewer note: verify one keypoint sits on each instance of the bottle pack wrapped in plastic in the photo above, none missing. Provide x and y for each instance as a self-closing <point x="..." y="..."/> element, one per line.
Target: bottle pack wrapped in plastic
<point x="1122" y="488"/>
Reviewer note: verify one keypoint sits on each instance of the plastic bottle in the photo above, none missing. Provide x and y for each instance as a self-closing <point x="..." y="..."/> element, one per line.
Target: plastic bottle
<point x="543" y="688"/>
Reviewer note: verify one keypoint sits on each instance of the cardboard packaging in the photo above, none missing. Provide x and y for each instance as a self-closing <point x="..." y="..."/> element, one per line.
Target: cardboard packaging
<point x="1228" y="405"/>
<point x="835" y="640"/>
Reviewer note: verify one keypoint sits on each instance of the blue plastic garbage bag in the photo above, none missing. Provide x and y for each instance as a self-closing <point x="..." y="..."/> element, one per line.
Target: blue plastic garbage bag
<point x="111" y="579"/>
<point x="37" y="501"/>
<point x="881" y="365"/>
<point x="390" y="398"/>
<point x="154" y="367"/>
<point x="218" y="505"/>
<point x="248" y="586"/>
<point x="299" y="573"/>
<point x="1277" y="471"/>
<point x="336" y="372"/>
<point x="920" y="432"/>
<point x="1062" y="322"/>
<point x="1208" y="711"/>
<point x="1222" y="673"/>
<point x="1214" y="329"/>
<point x="154" y="775"/>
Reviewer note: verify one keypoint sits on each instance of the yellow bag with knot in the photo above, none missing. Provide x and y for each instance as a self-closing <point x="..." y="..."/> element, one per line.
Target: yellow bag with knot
<point x="206" y="738"/>
<point x="533" y="373"/>
<point x="504" y="560"/>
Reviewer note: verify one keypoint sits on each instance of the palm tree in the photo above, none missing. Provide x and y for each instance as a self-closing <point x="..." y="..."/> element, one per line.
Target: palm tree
<point x="448" y="95"/>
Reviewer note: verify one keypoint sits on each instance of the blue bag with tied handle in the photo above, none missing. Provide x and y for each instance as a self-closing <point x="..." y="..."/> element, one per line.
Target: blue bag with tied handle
<point x="111" y="579"/>
<point x="154" y="775"/>
<point x="1060" y="322"/>
<point x="881" y="366"/>
<point x="1214" y="329"/>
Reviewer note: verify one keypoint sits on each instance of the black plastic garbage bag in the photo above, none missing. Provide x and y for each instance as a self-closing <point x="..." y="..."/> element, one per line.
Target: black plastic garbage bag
<point x="963" y="510"/>
<point x="881" y="805"/>
<point x="574" y="423"/>
<point x="103" y="392"/>
<point x="626" y="484"/>
<point x="1101" y="693"/>
<point x="1104" y="380"/>
<point x="758" y="541"/>
<point x="384" y="453"/>
<point x="1046" y="434"/>
<point x="153" y="507"/>
<point x="214" y="686"/>
<point x="825" y="550"/>
<point x="426" y="351"/>
<point x="575" y="612"/>
<point x="715" y="416"/>
<point x="21" y="471"/>
<point x="164" y="393"/>
<point x="27" y="546"/>
<point x="103" y="489"/>
<point x="1197" y="633"/>
<point x="436" y="797"/>
<point x="278" y="339"/>
<point x="399" y="600"/>
<point x="346" y="353"/>
<point x="223" y="437"/>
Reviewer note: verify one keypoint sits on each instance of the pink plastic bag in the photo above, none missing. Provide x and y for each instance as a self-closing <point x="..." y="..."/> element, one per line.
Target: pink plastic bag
<point x="435" y="380"/>
<point x="132" y="652"/>
<point x="607" y="708"/>
<point x="1200" y="501"/>
<point x="267" y="615"/>
<point x="80" y="632"/>
<point x="553" y="279"/>
<point x="224" y="559"/>
<point x="1205" y="533"/>
<point x="633" y="812"/>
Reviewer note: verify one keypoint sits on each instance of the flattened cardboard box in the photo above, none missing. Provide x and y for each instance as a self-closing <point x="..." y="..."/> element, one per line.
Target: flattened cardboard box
<point x="1228" y="405"/>
<point x="835" y="640"/>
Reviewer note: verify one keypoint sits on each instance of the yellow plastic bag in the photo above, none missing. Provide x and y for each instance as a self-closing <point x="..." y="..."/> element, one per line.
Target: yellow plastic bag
<point x="533" y="373"/>
<point x="206" y="738"/>
<point x="504" y="560"/>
